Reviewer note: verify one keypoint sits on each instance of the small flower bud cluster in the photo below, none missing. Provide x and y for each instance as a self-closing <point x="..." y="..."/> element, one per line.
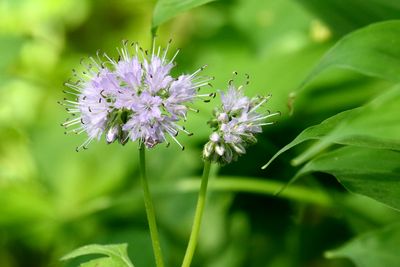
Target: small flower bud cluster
<point x="234" y="125"/>
<point x="132" y="98"/>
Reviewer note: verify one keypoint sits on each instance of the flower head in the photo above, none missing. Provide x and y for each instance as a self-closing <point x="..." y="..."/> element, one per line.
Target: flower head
<point x="234" y="125"/>
<point x="132" y="98"/>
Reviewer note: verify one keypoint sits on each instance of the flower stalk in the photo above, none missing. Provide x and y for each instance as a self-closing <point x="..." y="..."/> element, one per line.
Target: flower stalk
<point x="194" y="235"/>
<point x="148" y="203"/>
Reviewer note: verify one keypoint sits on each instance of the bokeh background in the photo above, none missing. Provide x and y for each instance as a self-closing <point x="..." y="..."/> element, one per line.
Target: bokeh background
<point x="53" y="199"/>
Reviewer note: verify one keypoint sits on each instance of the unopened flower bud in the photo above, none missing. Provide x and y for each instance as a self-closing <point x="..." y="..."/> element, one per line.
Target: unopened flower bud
<point x="112" y="134"/>
<point x="208" y="149"/>
<point x="220" y="149"/>
<point x="214" y="137"/>
<point x="223" y="117"/>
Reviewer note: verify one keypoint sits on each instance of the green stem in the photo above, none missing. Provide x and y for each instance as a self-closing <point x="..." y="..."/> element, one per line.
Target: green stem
<point x="153" y="33"/>
<point x="197" y="217"/>
<point x="148" y="203"/>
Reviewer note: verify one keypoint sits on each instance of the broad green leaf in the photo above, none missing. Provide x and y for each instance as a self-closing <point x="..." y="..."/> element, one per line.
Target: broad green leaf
<point x="101" y="262"/>
<point x="344" y="16"/>
<point x="373" y="51"/>
<point x="167" y="9"/>
<point x="314" y="132"/>
<point x="375" y="125"/>
<point x="374" y="173"/>
<point x="117" y="255"/>
<point x="373" y="249"/>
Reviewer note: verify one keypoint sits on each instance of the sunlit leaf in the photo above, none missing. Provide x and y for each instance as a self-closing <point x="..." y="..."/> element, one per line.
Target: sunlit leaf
<point x="374" y="173"/>
<point x="341" y="15"/>
<point x="373" y="51"/>
<point x="167" y="9"/>
<point x="377" y="248"/>
<point x="375" y="125"/>
<point x="117" y="255"/>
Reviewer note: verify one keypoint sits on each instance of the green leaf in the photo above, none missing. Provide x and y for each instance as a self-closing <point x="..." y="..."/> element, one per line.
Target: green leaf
<point x="101" y="262"/>
<point x="373" y="249"/>
<point x="117" y="255"/>
<point x="167" y="9"/>
<point x="375" y="125"/>
<point x="374" y="173"/>
<point x="372" y="51"/>
<point x="344" y="16"/>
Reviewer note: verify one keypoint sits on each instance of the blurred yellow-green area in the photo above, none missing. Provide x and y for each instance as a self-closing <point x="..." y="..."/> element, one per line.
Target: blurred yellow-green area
<point x="53" y="199"/>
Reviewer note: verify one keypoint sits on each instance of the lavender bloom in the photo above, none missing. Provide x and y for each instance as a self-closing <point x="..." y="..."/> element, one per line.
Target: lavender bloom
<point x="235" y="123"/>
<point x="132" y="98"/>
<point x="93" y="92"/>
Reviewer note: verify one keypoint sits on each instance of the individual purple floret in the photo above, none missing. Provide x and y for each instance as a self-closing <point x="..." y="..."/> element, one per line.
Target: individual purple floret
<point x="235" y="123"/>
<point x="132" y="98"/>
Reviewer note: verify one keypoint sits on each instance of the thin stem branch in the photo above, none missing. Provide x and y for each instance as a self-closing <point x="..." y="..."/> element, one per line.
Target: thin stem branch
<point x="148" y="203"/>
<point x="232" y="184"/>
<point x="197" y="217"/>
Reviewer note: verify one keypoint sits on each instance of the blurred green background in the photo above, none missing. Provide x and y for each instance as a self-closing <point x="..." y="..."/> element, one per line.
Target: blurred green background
<point x="53" y="199"/>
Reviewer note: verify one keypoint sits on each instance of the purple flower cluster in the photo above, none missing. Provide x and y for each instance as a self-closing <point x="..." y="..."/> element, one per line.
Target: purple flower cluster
<point x="235" y="123"/>
<point x="132" y="98"/>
